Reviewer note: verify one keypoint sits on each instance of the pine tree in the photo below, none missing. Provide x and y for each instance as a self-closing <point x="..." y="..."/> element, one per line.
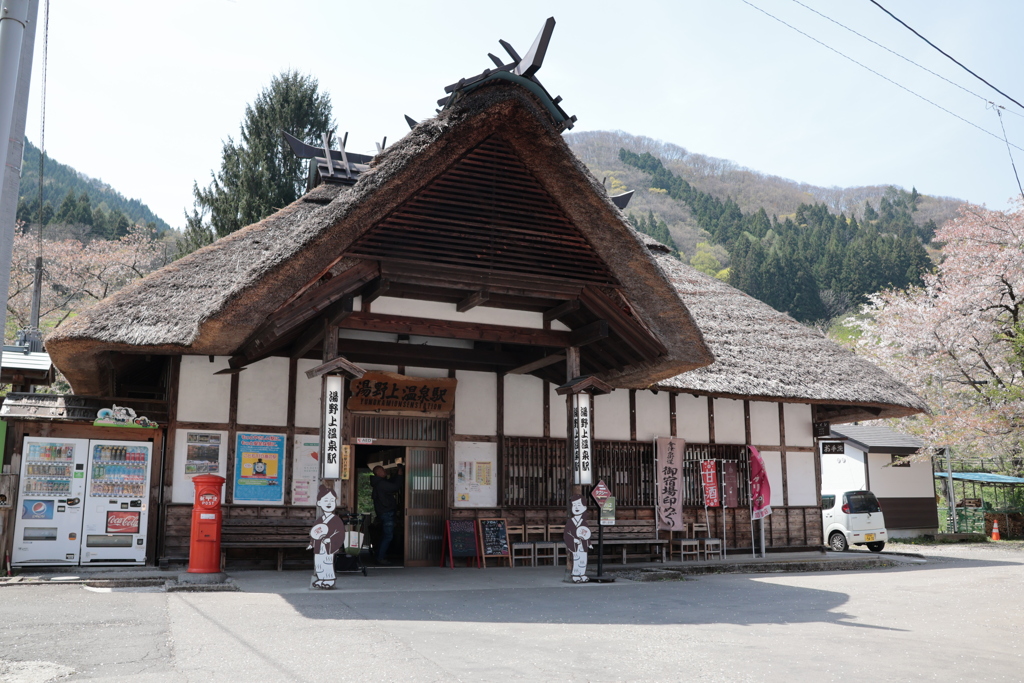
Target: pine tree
<point x="259" y="174"/>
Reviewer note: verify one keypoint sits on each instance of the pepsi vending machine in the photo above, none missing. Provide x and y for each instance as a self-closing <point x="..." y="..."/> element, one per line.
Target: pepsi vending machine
<point x="117" y="502"/>
<point x="48" y="527"/>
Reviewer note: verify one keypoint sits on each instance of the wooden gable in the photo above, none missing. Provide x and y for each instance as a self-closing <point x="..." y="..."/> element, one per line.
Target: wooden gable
<point x="487" y="212"/>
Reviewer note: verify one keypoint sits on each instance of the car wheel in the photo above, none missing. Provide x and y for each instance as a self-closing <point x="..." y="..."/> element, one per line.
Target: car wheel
<point x="876" y="547"/>
<point x="837" y="541"/>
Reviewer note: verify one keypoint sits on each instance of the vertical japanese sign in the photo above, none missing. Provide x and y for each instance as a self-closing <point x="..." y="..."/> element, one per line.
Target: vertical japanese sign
<point x="709" y="482"/>
<point x="332" y="427"/>
<point x="669" y="468"/>
<point x="731" y="483"/>
<point x="582" y="447"/>
<point x="760" y="489"/>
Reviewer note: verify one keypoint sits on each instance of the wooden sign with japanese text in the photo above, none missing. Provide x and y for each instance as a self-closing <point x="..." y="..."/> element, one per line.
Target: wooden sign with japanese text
<point x="331" y="429"/>
<point x="582" y="444"/>
<point x="390" y="391"/>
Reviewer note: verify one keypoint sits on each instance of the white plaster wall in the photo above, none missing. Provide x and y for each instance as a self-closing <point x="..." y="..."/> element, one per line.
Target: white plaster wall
<point x="426" y="372"/>
<point x="692" y="418"/>
<point x="558" y="413"/>
<point x="900" y="482"/>
<point x="367" y="335"/>
<point x="843" y="472"/>
<point x="730" y="426"/>
<point x="307" y="395"/>
<point x="442" y="311"/>
<point x="524" y="405"/>
<point x="764" y="423"/>
<point x="652" y="415"/>
<point x="263" y="393"/>
<point x="379" y="368"/>
<point x="773" y="466"/>
<point x="203" y="396"/>
<point x="611" y="416"/>
<point x="476" y="403"/>
<point x="799" y="425"/>
<point x="800" y="479"/>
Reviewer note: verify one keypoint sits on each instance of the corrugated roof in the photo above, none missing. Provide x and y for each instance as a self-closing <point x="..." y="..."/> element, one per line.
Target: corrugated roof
<point x="19" y="360"/>
<point x="878" y="438"/>
<point x="983" y="477"/>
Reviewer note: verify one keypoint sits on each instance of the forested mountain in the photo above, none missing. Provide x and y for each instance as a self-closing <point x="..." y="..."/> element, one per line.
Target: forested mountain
<point x="73" y="197"/>
<point x="813" y="252"/>
<point x="748" y="189"/>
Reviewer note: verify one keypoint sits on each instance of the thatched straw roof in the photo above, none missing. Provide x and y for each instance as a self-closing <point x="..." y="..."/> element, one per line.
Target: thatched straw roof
<point x="211" y="301"/>
<point x="760" y="352"/>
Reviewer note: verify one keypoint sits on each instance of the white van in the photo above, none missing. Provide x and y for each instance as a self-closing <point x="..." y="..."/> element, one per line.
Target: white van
<point x="853" y="518"/>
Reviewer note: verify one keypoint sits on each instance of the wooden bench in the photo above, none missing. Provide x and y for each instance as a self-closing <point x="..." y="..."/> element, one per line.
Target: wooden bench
<point x="279" y="534"/>
<point x="633" y="533"/>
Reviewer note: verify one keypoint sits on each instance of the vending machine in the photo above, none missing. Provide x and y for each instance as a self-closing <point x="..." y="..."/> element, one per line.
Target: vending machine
<point x="117" y="502"/>
<point x="48" y="527"/>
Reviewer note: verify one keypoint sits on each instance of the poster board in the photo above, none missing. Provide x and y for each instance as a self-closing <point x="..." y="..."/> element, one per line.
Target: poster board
<point x="197" y="451"/>
<point x="305" y="469"/>
<point x="476" y="468"/>
<point x="460" y="540"/>
<point x="494" y="539"/>
<point x="259" y="468"/>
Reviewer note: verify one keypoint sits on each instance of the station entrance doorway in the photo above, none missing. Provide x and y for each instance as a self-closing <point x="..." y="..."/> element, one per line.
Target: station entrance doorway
<point x="385" y="441"/>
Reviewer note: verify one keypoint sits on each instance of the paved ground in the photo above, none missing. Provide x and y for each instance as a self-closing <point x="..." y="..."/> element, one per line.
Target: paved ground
<point x="956" y="617"/>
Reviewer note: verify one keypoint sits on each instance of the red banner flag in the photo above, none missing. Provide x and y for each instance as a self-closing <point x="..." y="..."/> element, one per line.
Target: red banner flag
<point x="760" y="489"/>
<point x="709" y="480"/>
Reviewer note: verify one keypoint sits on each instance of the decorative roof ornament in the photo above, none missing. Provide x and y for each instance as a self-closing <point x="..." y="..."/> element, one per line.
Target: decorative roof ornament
<point x="332" y="165"/>
<point x="522" y="71"/>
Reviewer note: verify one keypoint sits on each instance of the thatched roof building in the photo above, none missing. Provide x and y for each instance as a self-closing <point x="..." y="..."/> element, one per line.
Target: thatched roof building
<point x="212" y="301"/>
<point x="760" y="352"/>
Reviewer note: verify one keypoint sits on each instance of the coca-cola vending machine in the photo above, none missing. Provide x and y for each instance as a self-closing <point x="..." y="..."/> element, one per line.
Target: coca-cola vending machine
<point x="116" y="502"/>
<point x="48" y="525"/>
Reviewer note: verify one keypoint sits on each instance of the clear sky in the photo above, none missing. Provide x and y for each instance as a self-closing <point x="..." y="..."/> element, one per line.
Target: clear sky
<point x="142" y="94"/>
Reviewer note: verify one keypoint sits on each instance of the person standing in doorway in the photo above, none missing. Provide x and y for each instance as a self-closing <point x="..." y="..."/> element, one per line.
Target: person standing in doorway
<point x="385" y="505"/>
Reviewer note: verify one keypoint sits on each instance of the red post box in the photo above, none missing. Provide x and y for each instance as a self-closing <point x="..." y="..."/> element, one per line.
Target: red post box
<point x="204" y="551"/>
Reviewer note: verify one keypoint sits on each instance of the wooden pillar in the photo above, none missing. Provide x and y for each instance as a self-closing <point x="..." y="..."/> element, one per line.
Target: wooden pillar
<point x="672" y="413"/>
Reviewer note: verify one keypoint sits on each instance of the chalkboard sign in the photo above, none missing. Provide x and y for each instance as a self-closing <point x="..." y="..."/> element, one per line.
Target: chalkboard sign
<point x="494" y="538"/>
<point x="460" y="540"/>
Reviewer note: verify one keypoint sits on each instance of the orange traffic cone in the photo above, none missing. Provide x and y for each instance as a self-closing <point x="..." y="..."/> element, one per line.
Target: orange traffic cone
<point x="995" y="531"/>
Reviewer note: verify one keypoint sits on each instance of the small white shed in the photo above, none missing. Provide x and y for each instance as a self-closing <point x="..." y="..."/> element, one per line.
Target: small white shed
<point x="874" y="457"/>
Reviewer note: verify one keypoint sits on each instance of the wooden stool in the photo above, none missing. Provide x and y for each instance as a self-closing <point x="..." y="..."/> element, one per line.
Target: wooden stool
<point x="555" y="532"/>
<point x="523" y="552"/>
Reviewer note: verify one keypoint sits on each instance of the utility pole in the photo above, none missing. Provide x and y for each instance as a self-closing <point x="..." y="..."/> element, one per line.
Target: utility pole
<point x="17" y="41"/>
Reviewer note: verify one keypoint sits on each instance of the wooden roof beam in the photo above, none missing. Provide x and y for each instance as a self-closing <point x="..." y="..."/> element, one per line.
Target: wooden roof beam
<point x="562" y="310"/>
<point x="375" y="290"/>
<point x="314" y="334"/>
<point x="425" y="327"/>
<point x="472" y="301"/>
<point x="537" y="364"/>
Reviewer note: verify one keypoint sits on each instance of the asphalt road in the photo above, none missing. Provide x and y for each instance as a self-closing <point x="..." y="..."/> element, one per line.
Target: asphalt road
<point x="958" y="617"/>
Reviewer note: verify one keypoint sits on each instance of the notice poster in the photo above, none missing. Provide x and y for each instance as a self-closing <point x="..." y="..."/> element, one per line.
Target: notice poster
<point x="259" y="474"/>
<point x="202" y="453"/>
<point x="474" y="474"/>
<point x="305" y="469"/>
<point x="670" y="452"/>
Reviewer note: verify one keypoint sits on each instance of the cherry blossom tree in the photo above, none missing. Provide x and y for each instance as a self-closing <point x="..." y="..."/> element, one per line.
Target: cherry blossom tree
<point x="76" y="273"/>
<point x="959" y="340"/>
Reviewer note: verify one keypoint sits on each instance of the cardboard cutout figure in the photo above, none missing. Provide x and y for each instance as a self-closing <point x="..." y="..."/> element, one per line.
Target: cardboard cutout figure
<point x="577" y="540"/>
<point x="328" y="536"/>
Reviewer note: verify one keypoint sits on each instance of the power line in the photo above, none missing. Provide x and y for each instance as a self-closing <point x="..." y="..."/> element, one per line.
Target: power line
<point x="906" y="59"/>
<point x="999" y="113"/>
<point x="954" y="60"/>
<point x="901" y="87"/>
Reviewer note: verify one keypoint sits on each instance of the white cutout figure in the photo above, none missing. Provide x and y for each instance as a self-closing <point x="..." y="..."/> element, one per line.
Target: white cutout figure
<point x="327" y="534"/>
<point x="577" y="540"/>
